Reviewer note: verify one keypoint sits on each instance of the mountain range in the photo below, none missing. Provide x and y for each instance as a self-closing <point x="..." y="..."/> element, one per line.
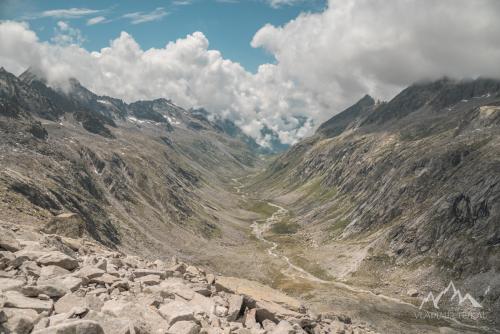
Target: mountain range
<point x="405" y="192"/>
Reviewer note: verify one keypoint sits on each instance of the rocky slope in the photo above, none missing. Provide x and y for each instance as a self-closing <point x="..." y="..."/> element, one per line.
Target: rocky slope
<point x="148" y="177"/>
<point x="52" y="284"/>
<point x="405" y="192"/>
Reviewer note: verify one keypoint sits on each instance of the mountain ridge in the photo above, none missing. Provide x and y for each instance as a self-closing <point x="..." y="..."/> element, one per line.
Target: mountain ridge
<point x="404" y="191"/>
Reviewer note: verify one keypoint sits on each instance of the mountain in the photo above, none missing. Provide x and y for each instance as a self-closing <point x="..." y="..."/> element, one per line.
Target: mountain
<point x="139" y="177"/>
<point x="405" y="191"/>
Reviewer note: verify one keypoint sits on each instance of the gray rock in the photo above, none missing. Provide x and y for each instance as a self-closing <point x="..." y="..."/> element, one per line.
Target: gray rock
<point x="26" y="255"/>
<point x="6" y="258"/>
<point x="112" y="325"/>
<point x="412" y="293"/>
<point x="184" y="327"/>
<point x="235" y="306"/>
<point x="210" y="279"/>
<point x="52" y="271"/>
<point x="60" y="259"/>
<point x="177" y="311"/>
<point x="15" y="299"/>
<point x="11" y="284"/>
<point x="67" y="302"/>
<point x="71" y="283"/>
<point x="105" y="279"/>
<point x="8" y="241"/>
<point x="30" y="268"/>
<point x="74" y="327"/>
<point x="249" y="319"/>
<point x="89" y="272"/>
<point x="149" y="279"/>
<point x="19" y="321"/>
<point x="51" y="290"/>
<point x="146" y="272"/>
<point x="284" y="327"/>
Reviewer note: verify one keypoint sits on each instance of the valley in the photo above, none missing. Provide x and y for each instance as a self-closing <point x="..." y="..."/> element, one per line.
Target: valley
<point x="385" y="203"/>
<point x="370" y="307"/>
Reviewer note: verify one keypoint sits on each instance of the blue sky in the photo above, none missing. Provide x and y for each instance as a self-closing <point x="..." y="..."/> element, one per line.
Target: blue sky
<point x="229" y="25"/>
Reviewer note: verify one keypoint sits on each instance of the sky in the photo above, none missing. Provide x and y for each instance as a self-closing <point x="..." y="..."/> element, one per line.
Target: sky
<point x="229" y="25"/>
<point x="285" y="65"/>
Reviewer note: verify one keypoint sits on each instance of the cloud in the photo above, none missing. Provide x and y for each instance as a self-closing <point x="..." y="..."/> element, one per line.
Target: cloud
<point x="324" y="61"/>
<point x="355" y="47"/>
<point x="280" y="3"/>
<point x="96" y="20"/>
<point x="65" y="35"/>
<point x="182" y="2"/>
<point x="142" y="17"/>
<point x="69" y="13"/>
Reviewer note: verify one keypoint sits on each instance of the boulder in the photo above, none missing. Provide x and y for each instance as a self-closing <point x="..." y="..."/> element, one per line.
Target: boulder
<point x="112" y="325"/>
<point x="15" y="299"/>
<point x="149" y="279"/>
<point x="25" y="255"/>
<point x="19" y="321"/>
<point x="141" y="316"/>
<point x="70" y="283"/>
<point x="73" y="327"/>
<point x="11" y="284"/>
<point x="210" y="279"/>
<point x="59" y="259"/>
<point x="273" y="311"/>
<point x="6" y="259"/>
<point x="235" y="306"/>
<point x="184" y="327"/>
<point x="89" y="272"/>
<point x="284" y="327"/>
<point x="30" y="268"/>
<point x="250" y="320"/>
<point x="257" y="292"/>
<point x="67" y="302"/>
<point x="51" y="290"/>
<point x="146" y="272"/>
<point x="412" y="293"/>
<point x="105" y="279"/>
<point x="52" y="271"/>
<point x="206" y="304"/>
<point x="177" y="311"/>
<point x="8" y="241"/>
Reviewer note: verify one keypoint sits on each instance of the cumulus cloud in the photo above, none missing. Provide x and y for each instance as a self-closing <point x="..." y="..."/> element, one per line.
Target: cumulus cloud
<point x="379" y="46"/>
<point x="324" y="61"/>
<point x="142" y="17"/>
<point x="65" y="35"/>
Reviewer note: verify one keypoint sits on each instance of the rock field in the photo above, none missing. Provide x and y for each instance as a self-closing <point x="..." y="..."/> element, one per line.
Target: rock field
<point x="53" y="284"/>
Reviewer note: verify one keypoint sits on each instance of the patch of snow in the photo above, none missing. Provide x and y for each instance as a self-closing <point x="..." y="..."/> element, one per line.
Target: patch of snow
<point x="103" y="101"/>
<point x="135" y="120"/>
<point x="173" y="121"/>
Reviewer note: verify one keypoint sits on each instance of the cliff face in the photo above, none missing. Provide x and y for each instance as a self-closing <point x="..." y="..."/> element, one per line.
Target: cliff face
<point x="406" y="190"/>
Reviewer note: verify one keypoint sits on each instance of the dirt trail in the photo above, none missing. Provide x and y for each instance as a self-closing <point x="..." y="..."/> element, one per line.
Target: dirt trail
<point x="293" y="271"/>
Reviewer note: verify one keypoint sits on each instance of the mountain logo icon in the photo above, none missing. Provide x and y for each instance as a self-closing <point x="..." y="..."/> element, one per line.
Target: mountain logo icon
<point x="457" y="296"/>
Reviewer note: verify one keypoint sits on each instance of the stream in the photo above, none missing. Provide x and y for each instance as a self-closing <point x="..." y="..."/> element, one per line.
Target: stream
<point x="259" y="229"/>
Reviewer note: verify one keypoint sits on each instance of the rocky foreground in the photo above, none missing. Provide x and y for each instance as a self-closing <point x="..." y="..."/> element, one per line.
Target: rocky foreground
<point x="54" y="284"/>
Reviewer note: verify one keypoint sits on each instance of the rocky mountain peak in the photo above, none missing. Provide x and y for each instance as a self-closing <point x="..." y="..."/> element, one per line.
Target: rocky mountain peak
<point x="338" y="123"/>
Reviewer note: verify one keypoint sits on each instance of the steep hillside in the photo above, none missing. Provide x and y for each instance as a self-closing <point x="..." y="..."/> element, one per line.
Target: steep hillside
<point x="405" y="192"/>
<point x="149" y="176"/>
